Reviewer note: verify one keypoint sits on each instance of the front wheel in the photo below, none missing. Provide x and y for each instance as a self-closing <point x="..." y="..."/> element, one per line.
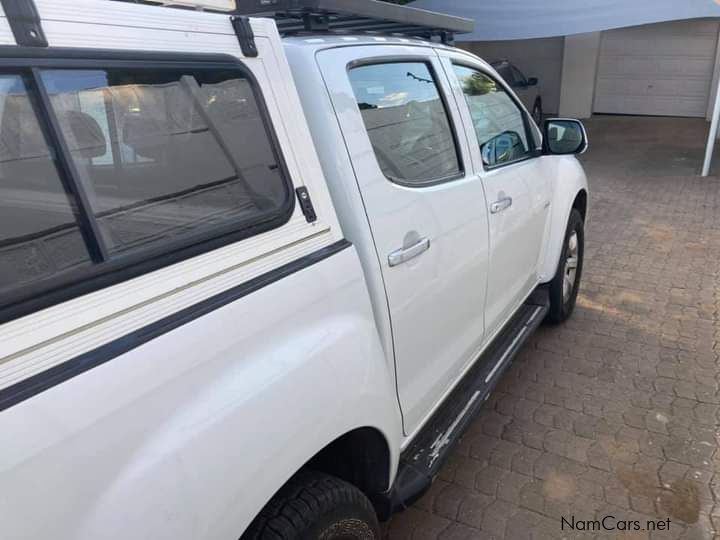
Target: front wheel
<point x="316" y="506"/>
<point x="564" y="286"/>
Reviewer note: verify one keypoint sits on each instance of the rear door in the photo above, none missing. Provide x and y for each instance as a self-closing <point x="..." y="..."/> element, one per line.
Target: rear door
<point x="425" y="206"/>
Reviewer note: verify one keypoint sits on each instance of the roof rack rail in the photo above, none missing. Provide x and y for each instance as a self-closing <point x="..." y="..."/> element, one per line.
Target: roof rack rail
<point x="356" y="16"/>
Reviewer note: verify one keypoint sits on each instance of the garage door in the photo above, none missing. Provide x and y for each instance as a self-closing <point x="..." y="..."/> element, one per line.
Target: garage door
<point x="656" y="69"/>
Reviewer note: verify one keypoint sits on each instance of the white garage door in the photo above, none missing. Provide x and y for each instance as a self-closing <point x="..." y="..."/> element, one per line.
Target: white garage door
<point x="656" y="69"/>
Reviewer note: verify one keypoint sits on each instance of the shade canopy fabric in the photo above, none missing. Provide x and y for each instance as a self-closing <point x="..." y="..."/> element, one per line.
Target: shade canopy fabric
<point x="522" y="19"/>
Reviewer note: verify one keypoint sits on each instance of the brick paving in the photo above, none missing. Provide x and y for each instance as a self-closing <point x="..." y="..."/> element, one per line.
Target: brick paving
<point x="614" y="413"/>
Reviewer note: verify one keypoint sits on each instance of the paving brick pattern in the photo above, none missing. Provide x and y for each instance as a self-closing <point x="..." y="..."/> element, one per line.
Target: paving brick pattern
<point x="614" y="413"/>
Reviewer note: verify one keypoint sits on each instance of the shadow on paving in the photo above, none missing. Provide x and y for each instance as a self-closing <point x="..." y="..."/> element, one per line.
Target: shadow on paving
<point x="614" y="413"/>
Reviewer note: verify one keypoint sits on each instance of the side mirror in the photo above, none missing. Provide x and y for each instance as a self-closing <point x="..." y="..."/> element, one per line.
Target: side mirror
<point x="564" y="136"/>
<point x="532" y="81"/>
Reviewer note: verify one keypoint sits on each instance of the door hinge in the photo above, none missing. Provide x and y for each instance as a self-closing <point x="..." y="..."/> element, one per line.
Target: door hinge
<point x="306" y="204"/>
<point x="24" y="21"/>
<point x="245" y="35"/>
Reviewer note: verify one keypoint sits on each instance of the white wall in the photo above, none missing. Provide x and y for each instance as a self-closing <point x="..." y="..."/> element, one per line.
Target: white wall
<point x="578" y="75"/>
<point x="541" y="58"/>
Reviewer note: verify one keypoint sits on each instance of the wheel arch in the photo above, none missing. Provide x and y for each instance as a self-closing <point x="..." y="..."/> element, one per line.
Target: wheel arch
<point x="361" y="457"/>
<point x="580" y="203"/>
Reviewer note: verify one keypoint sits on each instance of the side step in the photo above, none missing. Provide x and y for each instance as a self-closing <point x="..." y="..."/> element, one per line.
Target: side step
<point x="421" y="461"/>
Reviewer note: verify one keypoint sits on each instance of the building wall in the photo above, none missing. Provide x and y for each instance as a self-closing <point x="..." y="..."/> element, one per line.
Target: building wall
<point x="578" y="75"/>
<point x="541" y="58"/>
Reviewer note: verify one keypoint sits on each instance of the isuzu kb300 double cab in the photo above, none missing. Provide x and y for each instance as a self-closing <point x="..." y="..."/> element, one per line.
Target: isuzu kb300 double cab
<point x="256" y="287"/>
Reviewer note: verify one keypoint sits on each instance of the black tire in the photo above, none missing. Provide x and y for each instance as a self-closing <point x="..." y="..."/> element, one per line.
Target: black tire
<point x="537" y="112"/>
<point x="562" y="305"/>
<point x="316" y="506"/>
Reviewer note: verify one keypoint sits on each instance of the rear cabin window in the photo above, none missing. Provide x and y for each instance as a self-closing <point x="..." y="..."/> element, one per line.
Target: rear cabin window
<point x="167" y="158"/>
<point x="406" y="121"/>
<point x="39" y="232"/>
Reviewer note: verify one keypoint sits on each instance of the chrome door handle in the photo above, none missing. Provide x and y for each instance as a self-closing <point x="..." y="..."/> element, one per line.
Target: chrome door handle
<point x="500" y="205"/>
<point x="402" y="255"/>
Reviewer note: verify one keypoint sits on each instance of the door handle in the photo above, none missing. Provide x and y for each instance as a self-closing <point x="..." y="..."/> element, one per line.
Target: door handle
<point x="402" y="255"/>
<point x="500" y="205"/>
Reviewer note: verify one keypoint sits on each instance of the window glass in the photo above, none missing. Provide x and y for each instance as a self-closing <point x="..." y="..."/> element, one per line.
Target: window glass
<point x="504" y="71"/>
<point x="498" y="122"/>
<point x="406" y="121"/>
<point x="518" y="78"/>
<point x="39" y="235"/>
<point x="167" y="153"/>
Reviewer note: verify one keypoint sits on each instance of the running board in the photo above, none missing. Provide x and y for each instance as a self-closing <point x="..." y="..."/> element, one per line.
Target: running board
<point x="421" y="461"/>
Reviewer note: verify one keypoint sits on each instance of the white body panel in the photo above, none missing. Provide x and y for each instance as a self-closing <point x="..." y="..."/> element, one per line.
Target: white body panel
<point x="187" y="436"/>
<point x="164" y="440"/>
<point x="659" y="69"/>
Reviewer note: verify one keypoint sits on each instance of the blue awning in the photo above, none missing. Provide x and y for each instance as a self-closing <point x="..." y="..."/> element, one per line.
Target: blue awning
<point x="521" y="19"/>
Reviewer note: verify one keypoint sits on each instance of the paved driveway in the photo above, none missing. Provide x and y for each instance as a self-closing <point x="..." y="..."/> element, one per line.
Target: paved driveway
<point x="616" y="412"/>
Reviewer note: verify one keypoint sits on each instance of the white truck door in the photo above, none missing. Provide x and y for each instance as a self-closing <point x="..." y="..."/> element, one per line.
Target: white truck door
<point x="518" y="190"/>
<point x="425" y="206"/>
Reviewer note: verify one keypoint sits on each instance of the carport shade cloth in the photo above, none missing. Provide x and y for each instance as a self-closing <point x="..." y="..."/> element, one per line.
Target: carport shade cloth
<point x="523" y="19"/>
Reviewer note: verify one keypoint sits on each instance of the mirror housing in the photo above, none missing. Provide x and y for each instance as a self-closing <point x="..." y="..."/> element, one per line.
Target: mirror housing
<point x="532" y="81"/>
<point x="563" y="136"/>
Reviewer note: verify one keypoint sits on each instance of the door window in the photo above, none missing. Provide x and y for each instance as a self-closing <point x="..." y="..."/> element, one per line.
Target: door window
<point x="518" y="78"/>
<point x="407" y="122"/>
<point x="504" y="71"/>
<point x="499" y="123"/>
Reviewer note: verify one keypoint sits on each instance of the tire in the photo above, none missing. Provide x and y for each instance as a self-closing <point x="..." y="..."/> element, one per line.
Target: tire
<point x="562" y="296"/>
<point x="316" y="506"/>
<point x="537" y="112"/>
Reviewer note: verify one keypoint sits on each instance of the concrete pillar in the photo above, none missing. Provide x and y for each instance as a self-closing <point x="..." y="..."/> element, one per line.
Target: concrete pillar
<point x="577" y="86"/>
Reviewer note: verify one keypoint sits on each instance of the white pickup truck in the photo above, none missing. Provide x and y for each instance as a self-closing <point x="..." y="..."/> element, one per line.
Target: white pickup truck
<point x="251" y="286"/>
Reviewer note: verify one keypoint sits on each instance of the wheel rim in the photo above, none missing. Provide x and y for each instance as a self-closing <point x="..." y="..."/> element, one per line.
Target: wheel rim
<point x="571" y="264"/>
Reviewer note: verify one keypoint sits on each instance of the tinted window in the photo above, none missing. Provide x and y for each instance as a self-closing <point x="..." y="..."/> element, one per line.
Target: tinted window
<point x="154" y="164"/>
<point x="167" y="153"/>
<point x="498" y="122"/>
<point x="39" y="235"/>
<point x="518" y="77"/>
<point x="406" y="121"/>
<point x="505" y="72"/>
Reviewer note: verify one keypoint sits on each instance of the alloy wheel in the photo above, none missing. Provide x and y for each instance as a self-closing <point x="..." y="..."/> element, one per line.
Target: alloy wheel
<point x="571" y="264"/>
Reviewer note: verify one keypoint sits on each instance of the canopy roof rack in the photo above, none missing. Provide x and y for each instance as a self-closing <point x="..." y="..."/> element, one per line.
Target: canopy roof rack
<point x="355" y="16"/>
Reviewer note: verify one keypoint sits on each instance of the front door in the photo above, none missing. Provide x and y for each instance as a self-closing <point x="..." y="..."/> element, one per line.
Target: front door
<point x="518" y="190"/>
<point x="425" y="207"/>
